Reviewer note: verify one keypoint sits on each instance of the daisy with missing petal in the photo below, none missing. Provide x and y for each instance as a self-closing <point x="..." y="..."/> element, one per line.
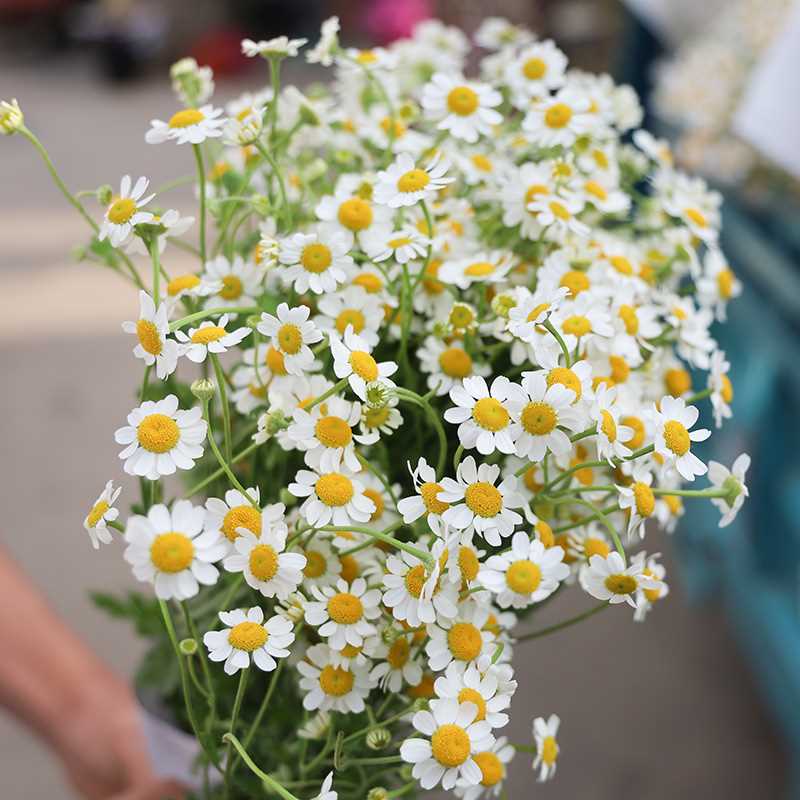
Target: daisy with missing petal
<point x="170" y="550"/>
<point x="152" y="331"/>
<point x="610" y="432"/>
<point x="239" y="280"/>
<point x="526" y="574"/>
<point x="452" y="738"/>
<point x="559" y="119"/>
<point x="125" y="212"/>
<point x="291" y="333"/>
<point x="545" y="732"/>
<point x="352" y="306"/>
<point x="721" y="387"/>
<point x="352" y="360"/>
<point x="464" y="638"/>
<point x="323" y="567"/>
<point x="331" y="688"/>
<point x="398" y="663"/>
<point x="101" y="513"/>
<point x="731" y="481"/>
<point x="261" y="558"/>
<point x="638" y="499"/>
<point x="383" y="242"/>
<point x="405" y="184"/>
<point x="447" y="364"/>
<point x="649" y="597"/>
<point x="342" y="613"/>
<point x="673" y="440"/>
<point x="476" y="501"/>
<point x="464" y="108"/>
<point x="236" y="511"/>
<point x="479" y="268"/>
<point x="159" y="438"/>
<point x="482" y="416"/>
<point x="493" y="764"/>
<point x="248" y="636"/>
<point x="472" y="685"/>
<point x="335" y="497"/>
<point x="318" y="262"/>
<point x="426" y="500"/>
<point x="210" y="337"/>
<point x="188" y="126"/>
<point x="607" y="578"/>
<point x="541" y="411"/>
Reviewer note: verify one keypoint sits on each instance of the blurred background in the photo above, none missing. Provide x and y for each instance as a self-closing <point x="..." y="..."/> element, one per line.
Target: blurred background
<point x="703" y="700"/>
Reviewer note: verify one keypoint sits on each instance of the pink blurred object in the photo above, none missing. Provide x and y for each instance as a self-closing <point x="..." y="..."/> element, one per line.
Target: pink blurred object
<point x="388" y="20"/>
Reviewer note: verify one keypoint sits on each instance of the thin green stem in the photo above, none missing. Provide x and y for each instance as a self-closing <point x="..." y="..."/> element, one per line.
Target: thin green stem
<point x="710" y="492"/>
<point x="217" y="473"/>
<point x="262" y="709"/>
<point x="223" y="400"/>
<point x="237" y="705"/>
<point x="204" y="664"/>
<point x="335" y="389"/>
<point x="156" y="257"/>
<point x="201" y="187"/>
<point x="286" y="210"/>
<point x="561" y="343"/>
<point x="384" y="536"/>
<point x="413" y="397"/>
<point x="268" y="779"/>
<point x="561" y="625"/>
<point x="211" y="312"/>
<point x="603" y="519"/>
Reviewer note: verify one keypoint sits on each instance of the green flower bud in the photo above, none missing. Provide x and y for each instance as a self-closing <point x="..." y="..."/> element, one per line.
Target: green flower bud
<point x="502" y="304"/>
<point x="105" y="194"/>
<point x="377" y="793"/>
<point x="377" y="395"/>
<point x="11" y="117"/>
<point x="378" y="738"/>
<point x="203" y="389"/>
<point x="188" y="647"/>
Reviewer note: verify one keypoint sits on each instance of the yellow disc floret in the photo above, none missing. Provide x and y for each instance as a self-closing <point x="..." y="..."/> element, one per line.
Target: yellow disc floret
<point x="538" y="418"/>
<point x="462" y="101"/>
<point x="263" y="562"/>
<point x="523" y="576"/>
<point x="247" y="636"/>
<point x="450" y="745"/>
<point x="333" y="432"/>
<point x="334" y="489"/>
<point x="490" y="414"/>
<point x="336" y="681"/>
<point x="171" y="552"/>
<point x="676" y="437"/>
<point x="149" y="337"/>
<point x="465" y="641"/>
<point x="158" y="433"/>
<point x="241" y="517"/>
<point x="483" y="499"/>
<point x="345" y="608"/>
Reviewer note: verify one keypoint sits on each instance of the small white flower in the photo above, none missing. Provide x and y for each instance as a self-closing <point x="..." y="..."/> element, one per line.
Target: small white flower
<point x="483" y="688"/>
<point x="732" y="481"/>
<point x="611" y="434"/>
<point x="174" y="225"/>
<point x="335" y="497"/>
<point x="279" y="46"/>
<point x="152" y="331"/>
<point x="187" y="126"/>
<point x="322" y="52"/>
<point x="447" y="364"/>
<point x="316" y="261"/>
<point x="464" y="108"/>
<point x="210" y="337"/>
<point x="464" y="638"/>
<point x="125" y="211"/>
<point x="607" y="578"/>
<point x="545" y="732"/>
<point x="721" y="387"/>
<point x="342" y="613"/>
<point x="638" y="499"/>
<point x="331" y="688"/>
<point x="399" y="663"/>
<point x="101" y="513"/>
<point x="352" y="306"/>
<point x="291" y="332"/>
<point x="482" y="415"/>
<point x="479" y="268"/>
<point x="535" y="71"/>
<point x="673" y="440"/>
<point x="426" y="500"/>
<point x="493" y="763"/>
<point x="559" y="119"/>
<point x="405" y="184"/>
<point x="11" y="117"/>
<point x="239" y="281"/>
<point x="382" y="242"/>
<point x="352" y="360"/>
<point x="236" y="511"/>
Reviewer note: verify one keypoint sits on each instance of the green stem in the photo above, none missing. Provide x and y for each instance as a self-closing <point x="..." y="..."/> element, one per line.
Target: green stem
<point x="562" y="344"/>
<point x="286" y="210"/>
<point x="212" y="312"/>
<point x="268" y="780"/>
<point x="384" y="536"/>
<point x="204" y="665"/>
<point x="565" y="624"/>
<point x="696" y="398"/>
<point x="223" y="400"/>
<point x="275" y="82"/>
<point x="237" y="705"/>
<point x="264" y="704"/>
<point x="692" y="492"/>
<point x="201" y="185"/>
<point x="413" y="397"/>
<point x="603" y="519"/>
<point x="217" y="473"/>
<point x="335" y="389"/>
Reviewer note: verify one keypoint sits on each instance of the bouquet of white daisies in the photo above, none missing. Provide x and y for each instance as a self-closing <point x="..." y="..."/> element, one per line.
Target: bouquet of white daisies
<point x="429" y="372"/>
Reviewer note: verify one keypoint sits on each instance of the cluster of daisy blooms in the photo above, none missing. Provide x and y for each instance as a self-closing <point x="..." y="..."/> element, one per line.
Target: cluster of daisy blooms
<point x="443" y="330"/>
<point x="702" y="111"/>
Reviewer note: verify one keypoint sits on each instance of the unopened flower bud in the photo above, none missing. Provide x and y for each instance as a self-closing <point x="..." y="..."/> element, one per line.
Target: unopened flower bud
<point x="378" y="738"/>
<point x="245" y="131"/>
<point x="11" y="117"/>
<point x="192" y="83"/>
<point x="203" y="389"/>
<point x="502" y="304"/>
<point x="308" y="116"/>
<point x="440" y="329"/>
<point x="188" y="646"/>
<point x="377" y="793"/>
<point x="377" y="395"/>
<point x="389" y="634"/>
<point x="276" y="421"/>
<point x="105" y="194"/>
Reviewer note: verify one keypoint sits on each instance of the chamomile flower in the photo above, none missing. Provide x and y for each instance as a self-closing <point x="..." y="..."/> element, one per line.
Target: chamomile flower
<point x="649" y="597"/>
<point x="611" y="434"/>
<point x="236" y="511"/>
<point x="342" y="613"/>
<point x="493" y="764"/>
<point x="721" y="387"/>
<point x="452" y="738"/>
<point x="545" y="733"/>
<point x="190" y="285"/>
<point x="405" y="183"/>
<point x="557" y="214"/>
<point x="526" y="574"/>
<point x="608" y="578"/>
<point x="472" y="685"/>
<point x="100" y="514"/>
<point x="466" y="109"/>
<point x="383" y="242"/>
<point x="535" y="71"/>
<point x="476" y="502"/>
<point x="559" y="119"/>
<point x="353" y="360"/>
<point x="173" y="225"/>
<point x="447" y="364"/>
<point x="398" y="663"/>
<point x="152" y="331"/>
<point x="482" y="415"/>
<point x="188" y="126"/>
<point x="323" y="567"/>
<point x="291" y="332"/>
<point x="426" y="500"/>
<point x="280" y="46"/>
<point x="718" y="285"/>
<point x="330" y="688"/>
<point x="638" y="499"/>
<point x="673" y="439"/>
<point x="731" y="481"/>
<point x="351" y="209"/>
<point x="210" y="337"/>
<point x="247" y="636"/>
<point x="169" y="549"/>
<point x="125" y="211"/>
<point x="335" y="497"/>
<point x="318" y="262"/>
<point x="322" y="52"/>
<point x="239" y="280"/>
<point x="464" y="638"/>
<point x="479" y="268"/>
<point x="159" y="438"/>
<point x="352" y="306"/>
<point x="520" y="189"/>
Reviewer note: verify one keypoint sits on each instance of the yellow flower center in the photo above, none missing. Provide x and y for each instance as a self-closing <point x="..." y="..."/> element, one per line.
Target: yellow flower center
<point x="241" y="517"/>
<point x="232" y="287"/>
<point x="490" y="414"/>
<point x="577" y="325"/>
<point x="450" y="745"/>
<point x="96" y="514"/>
<point x="171" y="552"/>
<point x="592" y="546"/>
<point x="468" y="563"/>
<point x="636" y="441"/>
<point x="480" y="269"/>
<point x="366" y="57"/>
<point x="524" y="577"/>
<point x="455" y="362"/>
<point x="481" y="162"/>
<point x="483" y="499"/>
<point x="428" y="491"/>
<point x="149" y="337"/>
<point x="727" y="389"/>
<point x="375" y="417"/>
<point x="275" y="361"/>
<point x="334" y="489"/>
<point x="529" y="478"/>
<point x="465" y="641"/>
<point x="345" y="608"/>
<point x="351" y="569"/>
<point x="545" y="533"/>
<point x="549" y="750"/>
<point x="316" y="258"/>
<point x="158" y="433"/>
<point x="558" y="115"/>
<point x="316" y="564"/>
<point x="467" y="695"/>
<point x="380" y="505"/>
<point x="533" y="191"/>
<point x="567" y="378"/>
<point x="182" y="283"/>
<point x="387" y="127"/>
<point x="645" y="500"/>
<point x="538" y="418"/>
<point x="725" y="281"/>
<point x="462" y="101"/>
<point x="350" y="316"/>
<point x="355" y="214"/>
<point x="333" y="432"/>
<point x="211" y="333"/>
<point x="247" y="636"/>
<point x="369" y="282"/>
<point x="559" y="210"/>
<point x="676" y="437"/>
<point x="575" y="281"/>
<point x="492" y="771"/>
<point x="336" y="681"/>
<point x="621" y="265"/>
<point x="263" y="562"/>
<point x="651" y="594"/>
<point x="401" y="242"/>
<point x="696" y="216"/>
<point x="398" y="653"/>
<point x="534" y="69"/>
<point x="620" y="369"/>
<point x="608" y="426"/>
<point x="415" y="580"/>
<point x="364" y="365"/>
<point x="628" y="315"/>
<point x="596" y="190"/>
<point x="677" y="381"/>
<point x="121" y="210"/>
<point x="536" y="311"/>
<point x="413" y="181"/>
<point x="461" y="316"/>
<point x="621" y="584"/>
<point x="186" y="117"/>
<point x="290" y="338"/>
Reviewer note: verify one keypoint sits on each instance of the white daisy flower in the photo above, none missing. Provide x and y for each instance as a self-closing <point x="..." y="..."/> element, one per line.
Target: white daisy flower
<point x="160" y="438"/>
<point x="690" y="200"/>
<point x="607" y="578"/>
<point x="261" y="558"/>
<point x="322" y="52"/>
<point x="649" y="597"/>
<point x="638" y="499"/>
<point x="349" y="210"/>
<point x="526" y="574"/>
<point x="188" y="126"/>
<point x="325" y="791"/>
<point x="316" y="261"/>
<point x="291" y="332"/>
<point x="152" y="331"/>
<point x="405" y="184"/>
<point x="125" y="212"/>
<point x="522" y="187"/>
<point x="583" y="320"/>
<point x="352" y="360"/>
<point x="452" y="738"/>
<point x="535" y="71"/>
<point x="236" y="511"/>
<point x="240" y="281"/>
<point x="352" y="306"/>
<point x="542" y="411"/>
<point x="672" y="438"/>
<point x="447" y="364"/>
<point x="526" y="318"/>
<point x="732" y="481"/>
<point x="476" y="501"/>
<point x="170" y="550"/>
<point x="210" y="337"/>
<point x="559" y="119"/>
<point x="493" y="764"/>
<point x="398" y="664"/>
<point x="545" y="732"/>
<point x="718" y="284"/>
<point x="472" y="685"/>
<point x="331" y="688"/>
<point x="335" y="497"/>
<point x="464" y="108"/>
<point x="558" y="214"/>
<point x="463" y="638"/>
<point x="191" y="285"/>
<point x="342" y="613"/>
<point x="174" y="225"/>
<point x="426" y="500"/>
<point x="323" y="566"/>
<point x="100" y="514"/>
<point x="611" y="434"/>
<point x="279" y="46"/>
<point x="721" y="387"/>
<point x="383" y="241"/>
<point x="482" y="415"/>
<point x="479" y="268"/>
<point x="248" y="636"/>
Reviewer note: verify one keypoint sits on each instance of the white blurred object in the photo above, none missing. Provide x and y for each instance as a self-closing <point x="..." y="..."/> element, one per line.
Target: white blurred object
<point x="768" y="116"/>
<point x="675" y="20"/>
